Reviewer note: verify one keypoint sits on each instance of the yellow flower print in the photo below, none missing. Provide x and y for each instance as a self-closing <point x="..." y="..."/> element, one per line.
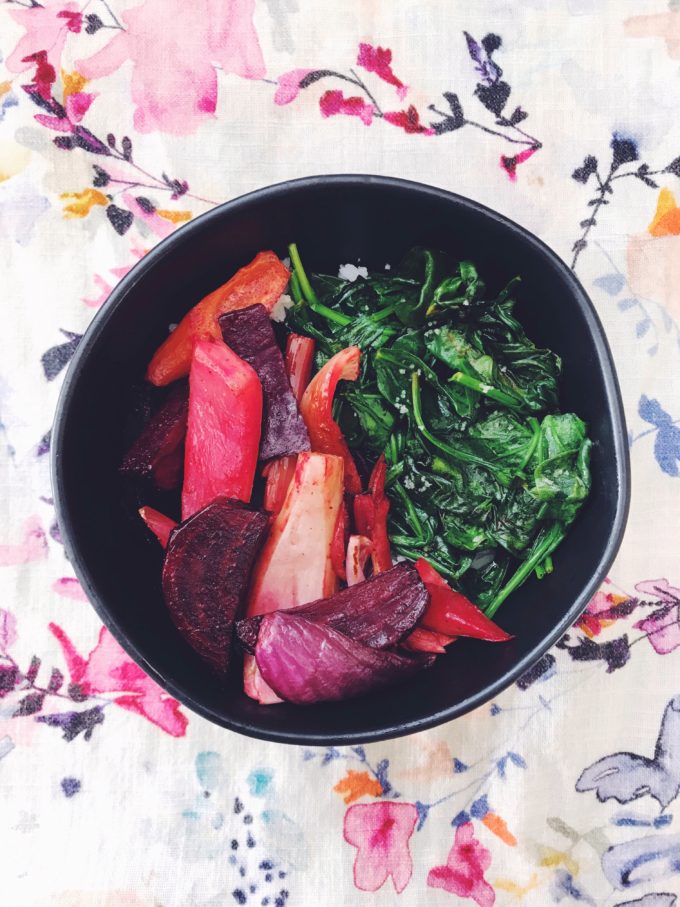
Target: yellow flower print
<point x="83" y="202"/>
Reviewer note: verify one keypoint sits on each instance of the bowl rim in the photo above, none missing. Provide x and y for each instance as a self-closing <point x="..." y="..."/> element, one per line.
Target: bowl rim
<point x="151" y="260"/>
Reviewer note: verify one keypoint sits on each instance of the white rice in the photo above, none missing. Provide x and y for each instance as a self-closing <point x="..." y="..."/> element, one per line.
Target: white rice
<point x="351" y="272"/>
<point x="281" y="306"/>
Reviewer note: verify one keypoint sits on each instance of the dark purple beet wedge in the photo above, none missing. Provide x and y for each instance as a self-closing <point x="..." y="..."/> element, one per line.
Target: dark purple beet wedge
<point x="157" y="452"/>
<point x="306" y="662"/>
<point x="378" y="612"/>
<point x="205" y="575"/>
<point x="250" y="335"/>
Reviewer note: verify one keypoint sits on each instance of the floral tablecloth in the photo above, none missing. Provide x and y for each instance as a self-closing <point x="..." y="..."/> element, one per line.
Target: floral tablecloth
<point x="119" y="122"/>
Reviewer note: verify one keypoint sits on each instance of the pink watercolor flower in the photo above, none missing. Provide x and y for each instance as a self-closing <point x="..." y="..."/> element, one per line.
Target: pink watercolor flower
<point x="108" y="669"/>
<point x="381" y="831"/>
<point x="69" y="587"/>
<point x="155" y="222"/>
<point x="8" y="630"/>
<point x="408" y="120"/>
<point x="334" y="102"/>
<point x="44" y="76"/>
<point x="44" y="29"/>
<point x="32" y="547"/>
<point x="379" y="60"/>
<point x="510" y="164"/>
<point x="663" y="626"/>
<point x="105" y="287"/>
<point x="463" y="874"/>
<point x="174" y="49"/>
<point x="74" y="20"/>
<point x="77" y="105"/>
<point x="289" y="85"/>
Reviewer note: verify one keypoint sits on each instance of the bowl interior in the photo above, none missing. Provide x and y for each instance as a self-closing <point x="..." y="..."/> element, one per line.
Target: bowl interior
<point x="333" y="220"/>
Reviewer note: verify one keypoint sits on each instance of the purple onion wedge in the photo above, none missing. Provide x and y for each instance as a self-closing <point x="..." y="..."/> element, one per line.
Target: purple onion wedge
<point x="157" y="452"/>
<point x="250" y="335"/>
<point x="306" y="662"/>
<point x="205" y="575"/>
<point x="378" y="612"/>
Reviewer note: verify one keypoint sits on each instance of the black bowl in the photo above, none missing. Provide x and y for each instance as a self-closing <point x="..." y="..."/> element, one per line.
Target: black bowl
<point x="334" y="219"/>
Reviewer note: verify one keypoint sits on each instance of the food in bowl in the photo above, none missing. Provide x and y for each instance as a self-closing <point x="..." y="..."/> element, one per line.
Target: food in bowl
<point x="429" y="433"/>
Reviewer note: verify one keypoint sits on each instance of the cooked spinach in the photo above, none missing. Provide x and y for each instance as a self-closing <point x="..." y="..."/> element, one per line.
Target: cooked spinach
<point x="485" y="475"/>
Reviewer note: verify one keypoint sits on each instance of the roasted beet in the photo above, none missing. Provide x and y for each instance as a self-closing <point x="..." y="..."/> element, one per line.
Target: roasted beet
<point x="250" y="335"/>
<point x="306" y="662"/>
<point x="206" y="572"/>
<point x="378" y="612"/>
<point x="223" y="432"/>
<point x="157" y="452"/>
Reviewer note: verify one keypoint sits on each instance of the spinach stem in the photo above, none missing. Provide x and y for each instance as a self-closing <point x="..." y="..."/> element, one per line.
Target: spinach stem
<point x="295" y="288"/>
<point x="413" y="517"/>
<point x="418" y="363"/>
<point x="310" y="295"/>
<point x="393" y="473"/>
<point x="442" y="445"/>
<point x="382" y="314"/>
<point x="543" y="549"/>
<point x="487" y="389"/>
<point x="548" y="564"/>
<point x="535" y="424"/>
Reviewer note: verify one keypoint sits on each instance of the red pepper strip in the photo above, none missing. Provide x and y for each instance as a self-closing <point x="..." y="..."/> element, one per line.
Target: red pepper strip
<point x="359" y="548"/>
<point x="263" y="280"/>
<point x="158" y="523"/>
<point x="451" y="613"/>
<point x="279" y="474"/>
<point x="317" y="411"/>
<point x="370" y="516"/>
<point x="299" y="361"/>
<point x="422" y="640"/>
<point x="363" y="514"/>
<point x="381" y="556"/>
<point x="338" y="544"/>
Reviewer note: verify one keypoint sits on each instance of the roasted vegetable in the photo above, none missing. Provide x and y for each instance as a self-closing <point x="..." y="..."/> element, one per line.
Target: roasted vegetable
<point x="157" y="452"/>
<point x="158" y="523"/>
<point x="249" y="333"/>
<point x="450" y="613"/>
<point x="205" y="575"/>
<point x="306" y="662"/>
<point x="223" y="430"/>
<point x="317" y="411"/>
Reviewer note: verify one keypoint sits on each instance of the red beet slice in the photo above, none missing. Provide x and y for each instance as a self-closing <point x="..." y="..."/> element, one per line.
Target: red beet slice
<point x="157" y="452"/>
<point x="250" y="335"/>
<point x="306" y="662"/>
<point x="378" y="612"/>
<point x="206" y="573"/>
<point x="160" y="524"/>
<point x="223" y="432"/>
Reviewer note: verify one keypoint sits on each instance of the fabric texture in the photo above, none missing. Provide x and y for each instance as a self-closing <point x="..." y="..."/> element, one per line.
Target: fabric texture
<point x="119" y="122"/>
